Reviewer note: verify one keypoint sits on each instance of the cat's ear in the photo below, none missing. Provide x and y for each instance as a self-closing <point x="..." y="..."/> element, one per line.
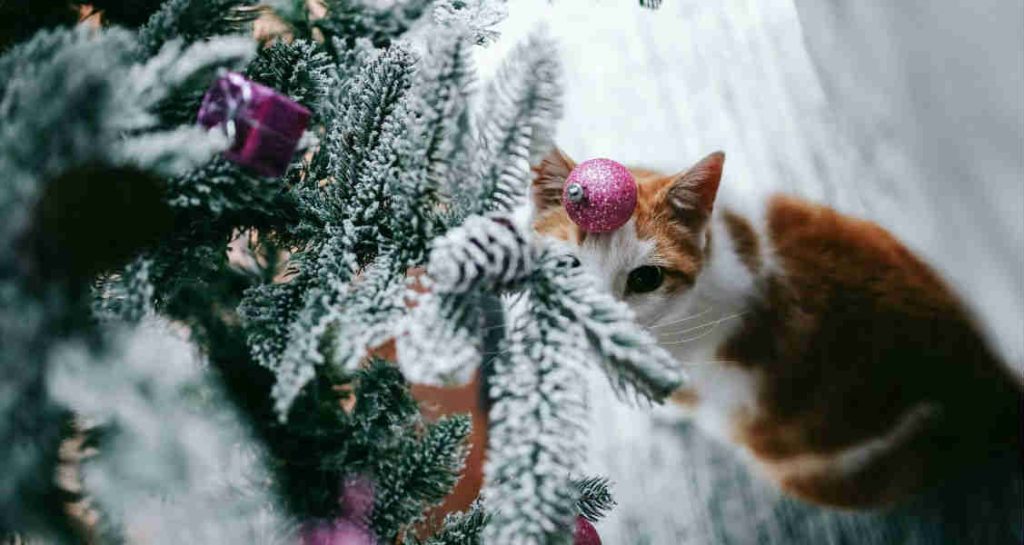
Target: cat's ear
<point x="691" y="194"/>
<point x="549" y="179"/>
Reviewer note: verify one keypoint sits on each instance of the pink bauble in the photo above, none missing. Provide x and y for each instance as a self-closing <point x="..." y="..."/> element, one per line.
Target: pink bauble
<point x="339" y="532"/>
<point x="356" y="498"/>
<point x="599" y="195"/>
<point x="585" y="533"/>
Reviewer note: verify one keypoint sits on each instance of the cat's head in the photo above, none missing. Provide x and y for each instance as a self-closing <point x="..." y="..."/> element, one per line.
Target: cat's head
<point x="653" y="260"/>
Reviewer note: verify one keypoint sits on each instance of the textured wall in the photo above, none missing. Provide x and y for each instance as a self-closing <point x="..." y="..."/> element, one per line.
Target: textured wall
<point x="932" y="93"/>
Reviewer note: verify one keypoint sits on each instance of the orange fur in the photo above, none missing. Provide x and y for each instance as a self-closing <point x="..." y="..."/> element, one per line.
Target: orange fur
<point x="677" y="245"/>
<point x="745" y="240"/>
<point x="852" y="333"/>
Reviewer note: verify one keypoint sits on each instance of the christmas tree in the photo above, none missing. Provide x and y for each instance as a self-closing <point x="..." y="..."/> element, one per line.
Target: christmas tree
<point x="188" y="342"/>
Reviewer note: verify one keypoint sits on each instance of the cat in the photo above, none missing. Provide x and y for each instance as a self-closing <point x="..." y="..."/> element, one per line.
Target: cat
<point x="839" y="362"/>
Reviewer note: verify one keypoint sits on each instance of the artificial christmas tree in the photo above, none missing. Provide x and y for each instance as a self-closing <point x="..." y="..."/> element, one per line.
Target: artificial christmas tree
<point x="211" y="353"/>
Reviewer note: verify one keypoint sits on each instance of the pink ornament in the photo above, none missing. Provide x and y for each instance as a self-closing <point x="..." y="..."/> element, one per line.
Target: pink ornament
<point x="352" y="526"/>
<point x="340" y="532"/>
<point x="357" y="499"/>
<point x="585" y="533"/>
<point x="600" y="195"/>
<point x="264" y="126"/>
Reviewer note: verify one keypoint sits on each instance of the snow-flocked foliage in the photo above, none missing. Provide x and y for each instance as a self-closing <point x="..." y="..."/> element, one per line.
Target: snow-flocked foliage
<point x="535" y="439"/>
<point x="392" y="222"/>
<point x="168" y="455"/>
<point x="594" y="499"/>
<point x="522" y="105"/>
<point x="559" y="324"/>
<point x="76" y="104"/>
<point x="461" y="528"/>
<point x="486" y="253"/>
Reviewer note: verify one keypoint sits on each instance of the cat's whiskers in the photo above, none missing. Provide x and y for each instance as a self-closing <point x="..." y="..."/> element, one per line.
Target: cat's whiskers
<point x="648" y="325"/>
<point x="711" y="326"/>
<point x="679" y="320"/>
<point x="702" y="363"/>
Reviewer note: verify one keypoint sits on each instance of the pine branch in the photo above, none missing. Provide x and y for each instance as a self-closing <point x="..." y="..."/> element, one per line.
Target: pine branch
<point x="194" y="20"/>
<point x="316" y="307"/>
<point x="223" y="191"/>
<point x="535" y="438"/>
<point x="439" y="340"/>
<point x="39" y="49"/>
<point x="523" y="105"/>
<point x="463" y="528"/>
<point x="299" y="69"/>
<point x="151" y="401"/>
<point x="267" y="312"/>
<point x="631" y="357"/>
<point x="30" y="419"/>
<point x="475" y="19"/>
<point x="349" y="20"/>
<point x="430" y="468"/>
<point x="60" y="102"/>
<point x="413" y="464"/>
<point x="334" y="322"/>
<point x="595" y="497"/>
<point x="127" y="296"/>
<point x="348" y="220"/>
<point x="103" y="110"/>
<point x="367" y="315"/>
<point x="303" y="352"/>
<point x="359" y="153"/>
<point x="486" y="253"/>
<point x="490" y="254"/>
<point x="442" y="92"/>
<point x="411" y="222"/>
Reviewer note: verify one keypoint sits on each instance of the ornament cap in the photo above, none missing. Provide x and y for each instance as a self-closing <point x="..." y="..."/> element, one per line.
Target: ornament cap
<point x="574" y="192"/>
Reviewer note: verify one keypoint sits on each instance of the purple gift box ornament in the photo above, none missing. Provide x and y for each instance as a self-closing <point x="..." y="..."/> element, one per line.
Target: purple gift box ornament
<point x="263" y="125"/>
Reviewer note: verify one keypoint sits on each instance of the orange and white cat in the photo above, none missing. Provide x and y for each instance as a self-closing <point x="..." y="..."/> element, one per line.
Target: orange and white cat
<point x="817" y="342"/>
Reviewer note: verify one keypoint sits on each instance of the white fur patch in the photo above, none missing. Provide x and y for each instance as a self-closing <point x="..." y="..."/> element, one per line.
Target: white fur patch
<point x="725" y="392"/>
<point x="610" y="256"/>
<point x="691" y="325"/>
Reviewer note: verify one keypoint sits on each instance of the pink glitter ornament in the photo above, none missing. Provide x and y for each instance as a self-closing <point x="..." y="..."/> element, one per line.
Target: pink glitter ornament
<point x="585" y="533"/>
<point x="599" y="195"/>
<point x="352" y="526"/>
<point x="340" y="532"/>
<point x="263" y="125"/>
<point x="357" y="499"/>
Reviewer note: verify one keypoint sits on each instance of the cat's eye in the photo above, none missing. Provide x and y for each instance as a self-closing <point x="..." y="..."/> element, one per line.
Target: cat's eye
<point x="644" y="279"/>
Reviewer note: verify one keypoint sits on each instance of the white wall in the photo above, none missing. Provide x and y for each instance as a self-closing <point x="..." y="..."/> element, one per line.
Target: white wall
<point x="933" y="95"/>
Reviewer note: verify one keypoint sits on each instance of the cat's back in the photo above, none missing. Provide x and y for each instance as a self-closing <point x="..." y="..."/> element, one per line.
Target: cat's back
<point x="830" y="257"/>
<point x="855" y="293"/>
<point x="852" y="333"/>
